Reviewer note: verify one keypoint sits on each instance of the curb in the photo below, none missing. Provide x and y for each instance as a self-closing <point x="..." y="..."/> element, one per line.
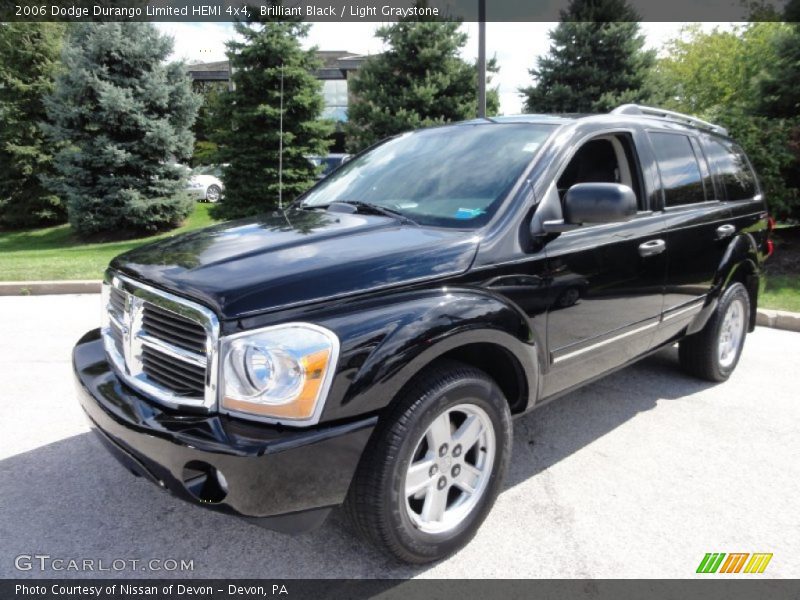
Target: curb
<point x="41" y="288"/>
<point x="777" y="319"/>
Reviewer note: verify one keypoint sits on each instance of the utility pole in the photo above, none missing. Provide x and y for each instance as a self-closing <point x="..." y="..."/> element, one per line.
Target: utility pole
<point x="481" y="58"/>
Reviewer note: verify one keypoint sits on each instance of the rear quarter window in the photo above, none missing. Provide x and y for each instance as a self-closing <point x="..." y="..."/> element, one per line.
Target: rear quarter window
<point x="681" y="178"/>
<point x="730" y="166"/>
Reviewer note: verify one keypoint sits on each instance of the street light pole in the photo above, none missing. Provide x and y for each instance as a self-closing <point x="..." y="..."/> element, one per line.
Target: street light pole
<point x="481" y="58"/>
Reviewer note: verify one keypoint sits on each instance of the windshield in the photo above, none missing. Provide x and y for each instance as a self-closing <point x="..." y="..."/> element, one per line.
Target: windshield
<point x="330" y="163"/>
<point x="448" y="176"/>
<point x="215" y="170"/>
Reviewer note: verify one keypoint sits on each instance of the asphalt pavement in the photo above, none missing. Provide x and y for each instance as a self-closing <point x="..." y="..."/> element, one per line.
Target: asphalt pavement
<point x="635" y="476"/>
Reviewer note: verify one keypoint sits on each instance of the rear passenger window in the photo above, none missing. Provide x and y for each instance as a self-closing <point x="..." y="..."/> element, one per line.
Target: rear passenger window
<point x="731" y="169"/>
<point x="680" y="171"/>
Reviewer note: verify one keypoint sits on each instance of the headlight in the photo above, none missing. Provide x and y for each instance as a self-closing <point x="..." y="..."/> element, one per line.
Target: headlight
<point x="278" y="373"/>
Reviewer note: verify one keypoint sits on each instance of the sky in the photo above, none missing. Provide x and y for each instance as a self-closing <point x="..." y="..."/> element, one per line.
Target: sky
<point x="516" y="46"/>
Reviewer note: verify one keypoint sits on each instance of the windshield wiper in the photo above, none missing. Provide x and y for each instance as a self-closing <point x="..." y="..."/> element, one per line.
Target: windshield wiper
<point x="377" y="209"/>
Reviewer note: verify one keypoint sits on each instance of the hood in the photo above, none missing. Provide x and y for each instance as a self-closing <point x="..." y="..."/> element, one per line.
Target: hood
<point x="285" y="259"/>
<point x="205" y="180"/>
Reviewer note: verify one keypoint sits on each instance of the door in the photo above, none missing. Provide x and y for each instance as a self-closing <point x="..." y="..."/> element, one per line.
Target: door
<point x="609" y="277"/>
<point x="698" y="228"/>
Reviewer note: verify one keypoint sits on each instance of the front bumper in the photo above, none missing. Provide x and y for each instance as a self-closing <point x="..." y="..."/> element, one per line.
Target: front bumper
<point x="266" y="471"/>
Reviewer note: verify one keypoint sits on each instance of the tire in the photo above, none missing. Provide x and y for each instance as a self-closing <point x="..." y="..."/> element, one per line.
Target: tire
<point x="568" y="297"/>
<point x="213" y="193"/>
<point x="400" y="525"/>
<point x="714" y="352"/>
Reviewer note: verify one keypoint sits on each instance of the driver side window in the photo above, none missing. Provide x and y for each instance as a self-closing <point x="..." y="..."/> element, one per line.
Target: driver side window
<point x="606" y="159"/>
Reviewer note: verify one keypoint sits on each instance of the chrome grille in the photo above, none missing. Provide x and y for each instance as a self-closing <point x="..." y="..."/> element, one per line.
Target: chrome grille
<point x="117" y="302"/>
<point x="174" y="328"/>
<point x="116" y="335"/>
<point x="182" y="378"/>
<point x="160" y="344"/>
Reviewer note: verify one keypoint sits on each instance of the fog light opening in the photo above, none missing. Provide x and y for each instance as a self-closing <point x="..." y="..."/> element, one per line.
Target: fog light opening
<point x="204" y="482"/>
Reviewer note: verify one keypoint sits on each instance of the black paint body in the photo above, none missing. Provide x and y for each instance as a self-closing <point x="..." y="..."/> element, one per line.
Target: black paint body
<point x="542" y="313"/>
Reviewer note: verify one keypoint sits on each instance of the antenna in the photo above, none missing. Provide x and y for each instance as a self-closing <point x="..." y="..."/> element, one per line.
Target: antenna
<point x="481" y="59"/>
<point x="280" y="149"/>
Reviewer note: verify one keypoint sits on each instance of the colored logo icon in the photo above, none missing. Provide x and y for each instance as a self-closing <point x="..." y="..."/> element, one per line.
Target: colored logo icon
<point x="719" y="562"/>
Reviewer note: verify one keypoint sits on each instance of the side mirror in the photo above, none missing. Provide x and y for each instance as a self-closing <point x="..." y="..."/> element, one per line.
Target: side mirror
<point x="587" y="203"/>
<point x="599" y="203"/>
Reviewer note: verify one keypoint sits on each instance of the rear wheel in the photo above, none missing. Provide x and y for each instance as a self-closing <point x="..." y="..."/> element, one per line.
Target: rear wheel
<point x="714" y="352"/>
<point x="434" y="466"/>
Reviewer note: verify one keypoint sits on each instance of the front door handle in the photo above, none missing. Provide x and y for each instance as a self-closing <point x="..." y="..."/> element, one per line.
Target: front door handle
<point x="652" y="248"/>
<point x="724" y="231"/>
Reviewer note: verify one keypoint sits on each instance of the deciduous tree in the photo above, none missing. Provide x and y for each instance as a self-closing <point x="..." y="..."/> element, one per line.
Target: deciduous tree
<point x="720" y="75"/>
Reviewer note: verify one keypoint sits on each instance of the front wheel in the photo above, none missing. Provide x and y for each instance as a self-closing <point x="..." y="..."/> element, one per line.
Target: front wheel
<point x="714" y="352"/>
<point x="435" y="466"/>
<point x="213" y="193"/>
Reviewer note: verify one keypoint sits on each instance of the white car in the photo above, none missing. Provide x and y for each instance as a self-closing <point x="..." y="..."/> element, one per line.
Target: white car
<point x="205" y="184"/>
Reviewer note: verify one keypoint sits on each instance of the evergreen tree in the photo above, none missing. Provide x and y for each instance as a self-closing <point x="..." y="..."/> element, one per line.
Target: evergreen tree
<point x="420" y="80"/>
<point x="249" y="142"/>
<point x="778" y="94"/>
<point x="596" y="61"/>
<point x="205" y="150"/>
<point x="779" y="86"/>
<point x="124" y="116"/>
<point x="29" y="57"/>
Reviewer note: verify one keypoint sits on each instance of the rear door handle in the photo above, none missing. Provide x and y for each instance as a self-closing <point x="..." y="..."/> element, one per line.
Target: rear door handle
<point x="652" y="248"/>
<point x="724" y="231"/>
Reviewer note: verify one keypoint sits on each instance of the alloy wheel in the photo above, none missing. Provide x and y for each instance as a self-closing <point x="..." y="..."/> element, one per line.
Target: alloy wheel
<point x="450" y="469"/>
<point x="731" y="333"/>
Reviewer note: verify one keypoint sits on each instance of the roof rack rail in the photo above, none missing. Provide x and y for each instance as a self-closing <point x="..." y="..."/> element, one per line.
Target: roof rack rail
<point x="649" y="111"/>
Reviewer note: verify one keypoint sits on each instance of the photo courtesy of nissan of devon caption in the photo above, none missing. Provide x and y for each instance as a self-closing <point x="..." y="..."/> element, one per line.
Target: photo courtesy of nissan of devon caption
<point x="369" y="345"/>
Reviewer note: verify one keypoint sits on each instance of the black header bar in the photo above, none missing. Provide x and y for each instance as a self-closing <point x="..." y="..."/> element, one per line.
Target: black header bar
<point x="350" y="10"/>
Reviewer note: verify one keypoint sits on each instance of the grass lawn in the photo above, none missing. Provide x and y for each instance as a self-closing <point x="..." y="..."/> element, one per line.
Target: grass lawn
<point x="780" y="292"/>
<point x="55" y="253"/>
<point x="780" y="287"/>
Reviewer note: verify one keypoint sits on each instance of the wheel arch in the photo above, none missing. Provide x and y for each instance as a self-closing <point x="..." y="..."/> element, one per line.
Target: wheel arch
<point x="739" y="264"/>
<point x="746" y="273"/>
<point x="497" y="361"/>
<point x="512" y="364"/>
<point x="466" y="325"/>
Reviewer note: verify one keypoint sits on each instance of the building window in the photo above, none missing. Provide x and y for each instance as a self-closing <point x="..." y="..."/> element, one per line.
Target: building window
<point x="335" y="93"/>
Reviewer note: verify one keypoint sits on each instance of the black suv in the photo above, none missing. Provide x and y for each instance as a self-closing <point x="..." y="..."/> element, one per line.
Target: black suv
<point x="369" y="345"/>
